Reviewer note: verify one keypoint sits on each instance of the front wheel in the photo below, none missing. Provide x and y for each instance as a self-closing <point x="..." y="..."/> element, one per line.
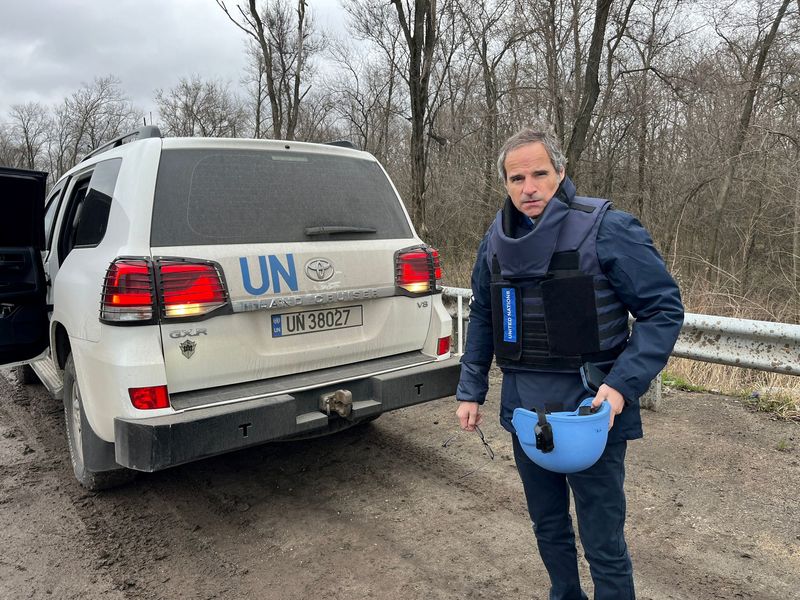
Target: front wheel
<point x="78" y="430"/>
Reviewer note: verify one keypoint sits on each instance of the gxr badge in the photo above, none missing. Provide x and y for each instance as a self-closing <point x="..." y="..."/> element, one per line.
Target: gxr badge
<point x="187" y="348"/>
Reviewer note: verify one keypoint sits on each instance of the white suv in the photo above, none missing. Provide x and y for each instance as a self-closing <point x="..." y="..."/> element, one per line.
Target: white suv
<point x="197" y="296"/>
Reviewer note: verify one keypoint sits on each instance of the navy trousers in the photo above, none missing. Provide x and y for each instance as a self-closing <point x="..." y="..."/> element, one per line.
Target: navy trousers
<point x="600" y="507"/>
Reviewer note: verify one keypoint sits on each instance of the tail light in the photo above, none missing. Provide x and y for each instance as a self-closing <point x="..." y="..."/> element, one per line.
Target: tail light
<point x="185" y="289"/>
<point x="418" y="270"/>
<point x="190" y="289"/>
<point x="128" y="292"/>
<point x="443" y="346"/>
<point x="149" y="398"/>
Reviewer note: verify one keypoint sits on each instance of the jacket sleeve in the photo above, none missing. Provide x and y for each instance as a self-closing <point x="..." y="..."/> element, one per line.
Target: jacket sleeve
<point x="479" y="350"/>
<point x="640" y="279"/>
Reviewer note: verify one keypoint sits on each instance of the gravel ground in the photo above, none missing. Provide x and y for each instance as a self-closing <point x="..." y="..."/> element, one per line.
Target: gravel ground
<point x="384" y="511"/>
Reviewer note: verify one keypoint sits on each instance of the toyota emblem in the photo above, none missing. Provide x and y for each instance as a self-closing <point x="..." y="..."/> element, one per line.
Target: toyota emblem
<point x="319" y="269"/>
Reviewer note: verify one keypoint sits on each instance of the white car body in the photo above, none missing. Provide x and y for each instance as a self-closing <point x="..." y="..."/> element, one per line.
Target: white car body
<point x="303" y="317"/>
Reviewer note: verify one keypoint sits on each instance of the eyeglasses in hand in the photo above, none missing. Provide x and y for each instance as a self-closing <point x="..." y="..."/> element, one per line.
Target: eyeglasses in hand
<point x="486" y="446"/>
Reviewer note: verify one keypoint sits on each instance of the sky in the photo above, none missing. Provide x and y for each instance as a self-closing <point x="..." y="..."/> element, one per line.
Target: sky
<point x="49" y="48"/>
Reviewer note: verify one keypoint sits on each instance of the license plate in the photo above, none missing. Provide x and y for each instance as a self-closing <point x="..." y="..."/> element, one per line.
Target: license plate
<point x="310" y="321"/>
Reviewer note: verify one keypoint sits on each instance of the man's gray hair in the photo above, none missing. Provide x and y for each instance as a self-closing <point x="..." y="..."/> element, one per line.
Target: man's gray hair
<point x="530" y="135"/>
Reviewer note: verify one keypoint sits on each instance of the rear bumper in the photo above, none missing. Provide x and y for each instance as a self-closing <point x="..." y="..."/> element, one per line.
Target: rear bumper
<point x="161" y="442"/>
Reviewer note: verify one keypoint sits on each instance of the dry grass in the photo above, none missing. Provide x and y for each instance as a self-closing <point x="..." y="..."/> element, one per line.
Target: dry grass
<point x="767" y="392"/>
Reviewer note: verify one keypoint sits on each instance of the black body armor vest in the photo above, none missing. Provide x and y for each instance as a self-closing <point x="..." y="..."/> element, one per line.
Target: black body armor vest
<point x="552" y="307"/>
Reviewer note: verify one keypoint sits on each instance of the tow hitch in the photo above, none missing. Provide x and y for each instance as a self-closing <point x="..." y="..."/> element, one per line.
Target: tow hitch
<point x="340" y="402"/>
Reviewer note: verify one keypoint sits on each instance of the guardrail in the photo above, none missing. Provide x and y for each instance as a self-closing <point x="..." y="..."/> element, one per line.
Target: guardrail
<point x="761" y="345"/>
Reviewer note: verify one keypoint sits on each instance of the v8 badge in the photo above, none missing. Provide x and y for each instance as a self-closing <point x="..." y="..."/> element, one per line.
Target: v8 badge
<point x="187" y="348"/>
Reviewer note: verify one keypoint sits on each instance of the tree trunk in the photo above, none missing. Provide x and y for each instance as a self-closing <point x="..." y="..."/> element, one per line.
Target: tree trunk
<point x="749" y="248"/>
<point x="489" y="134"/>
<point x="741" y="134"/>
<point x="268" y="72"/>
<point x="294" y="108"/>
<point x="641" y="167"/>
<point x="591" y="87"/>
<point x="420" y="41"/>
<point x="796" y="233"/>
<point x="387" y="115"/>
<point x="553" y="74"/>
<point x="259" y="103"/>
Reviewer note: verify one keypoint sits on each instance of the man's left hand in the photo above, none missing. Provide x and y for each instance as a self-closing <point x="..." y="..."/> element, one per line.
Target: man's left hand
<point x="614" y="398"/>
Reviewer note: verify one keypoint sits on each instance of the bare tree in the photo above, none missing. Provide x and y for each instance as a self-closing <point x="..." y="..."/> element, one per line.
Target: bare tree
<point x="98" y="112"/>
<point x="9" y="151"/>
<point x="287" y="41"/>
<point x="60" y="153"/>
<point x="417" y="22"/>
<point x="256" y="83"/>
<point x="30" y="126"/>
<point x="94" y="114"/>
<point x="591" y="87"/>
<point x="753" y="78"/>
<point x="493" y="30"/>
<point x="363" y="93"/>
<point x="554" y="26"/>
<point x="419" y="30"/>
<point x="200" y="108"/>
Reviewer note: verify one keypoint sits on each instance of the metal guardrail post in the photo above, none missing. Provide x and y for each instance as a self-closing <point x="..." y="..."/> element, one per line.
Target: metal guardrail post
<point x="460" y="316"/>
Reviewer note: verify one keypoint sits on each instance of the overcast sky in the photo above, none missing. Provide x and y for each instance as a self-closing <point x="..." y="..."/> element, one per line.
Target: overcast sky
<point x="48" y="48"/>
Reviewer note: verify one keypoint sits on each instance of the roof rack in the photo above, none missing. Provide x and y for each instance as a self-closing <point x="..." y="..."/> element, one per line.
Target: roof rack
<point x="148" y="131"/>
<point x="342" y="144"/>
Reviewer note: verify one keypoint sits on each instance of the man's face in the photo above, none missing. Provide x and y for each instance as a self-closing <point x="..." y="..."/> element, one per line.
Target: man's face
<point x="531" y="180"/>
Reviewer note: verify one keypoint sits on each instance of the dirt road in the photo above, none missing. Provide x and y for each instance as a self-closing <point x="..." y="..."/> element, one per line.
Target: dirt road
<point x="386" y="512"/>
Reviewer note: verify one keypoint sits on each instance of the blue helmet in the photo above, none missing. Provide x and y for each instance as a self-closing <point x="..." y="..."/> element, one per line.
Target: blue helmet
<point x="564" y="442"/>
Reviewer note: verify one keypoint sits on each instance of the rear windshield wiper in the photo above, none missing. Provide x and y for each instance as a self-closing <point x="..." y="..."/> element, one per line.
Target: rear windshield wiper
<point x="335" y="229"/>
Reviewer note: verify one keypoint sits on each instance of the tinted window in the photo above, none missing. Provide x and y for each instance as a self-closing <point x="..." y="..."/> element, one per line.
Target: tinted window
<point x="92" y="215"/>
<point x="236" y="197"/>
<point x="86" y="213"/>
<point x="50" y="213"/>
<point x="22" y="195"/>
<point x="72" y="214"/>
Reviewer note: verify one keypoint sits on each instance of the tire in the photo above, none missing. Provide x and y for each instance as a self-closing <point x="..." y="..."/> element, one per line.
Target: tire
<point x="77" y="425"/>
<point x="26" y="375"/>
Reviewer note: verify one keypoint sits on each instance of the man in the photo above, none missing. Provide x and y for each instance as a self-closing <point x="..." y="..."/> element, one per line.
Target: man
<point x="577" y="268"/>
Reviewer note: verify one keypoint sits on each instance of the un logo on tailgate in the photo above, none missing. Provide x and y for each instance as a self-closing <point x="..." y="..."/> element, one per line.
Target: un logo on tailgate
<point x="319" y="269"/>
<point x="279" y="271"/>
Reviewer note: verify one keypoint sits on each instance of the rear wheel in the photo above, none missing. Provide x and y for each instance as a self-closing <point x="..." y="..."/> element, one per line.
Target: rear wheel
<point x="78" y="430"/>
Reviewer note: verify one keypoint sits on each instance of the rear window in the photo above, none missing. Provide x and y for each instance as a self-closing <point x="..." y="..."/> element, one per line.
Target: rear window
<point x="91" y="226"/>
<point x="245" y="196"/>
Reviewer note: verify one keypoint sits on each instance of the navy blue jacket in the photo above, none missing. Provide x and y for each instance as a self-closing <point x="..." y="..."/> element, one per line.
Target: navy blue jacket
<point x="640" y="279"/>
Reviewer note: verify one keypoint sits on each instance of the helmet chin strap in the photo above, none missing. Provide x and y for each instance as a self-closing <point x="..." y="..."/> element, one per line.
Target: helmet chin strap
<point x="544" y="433"/>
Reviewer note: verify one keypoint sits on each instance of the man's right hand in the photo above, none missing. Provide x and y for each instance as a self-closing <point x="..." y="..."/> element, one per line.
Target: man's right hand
<point x="469" y="415"/>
